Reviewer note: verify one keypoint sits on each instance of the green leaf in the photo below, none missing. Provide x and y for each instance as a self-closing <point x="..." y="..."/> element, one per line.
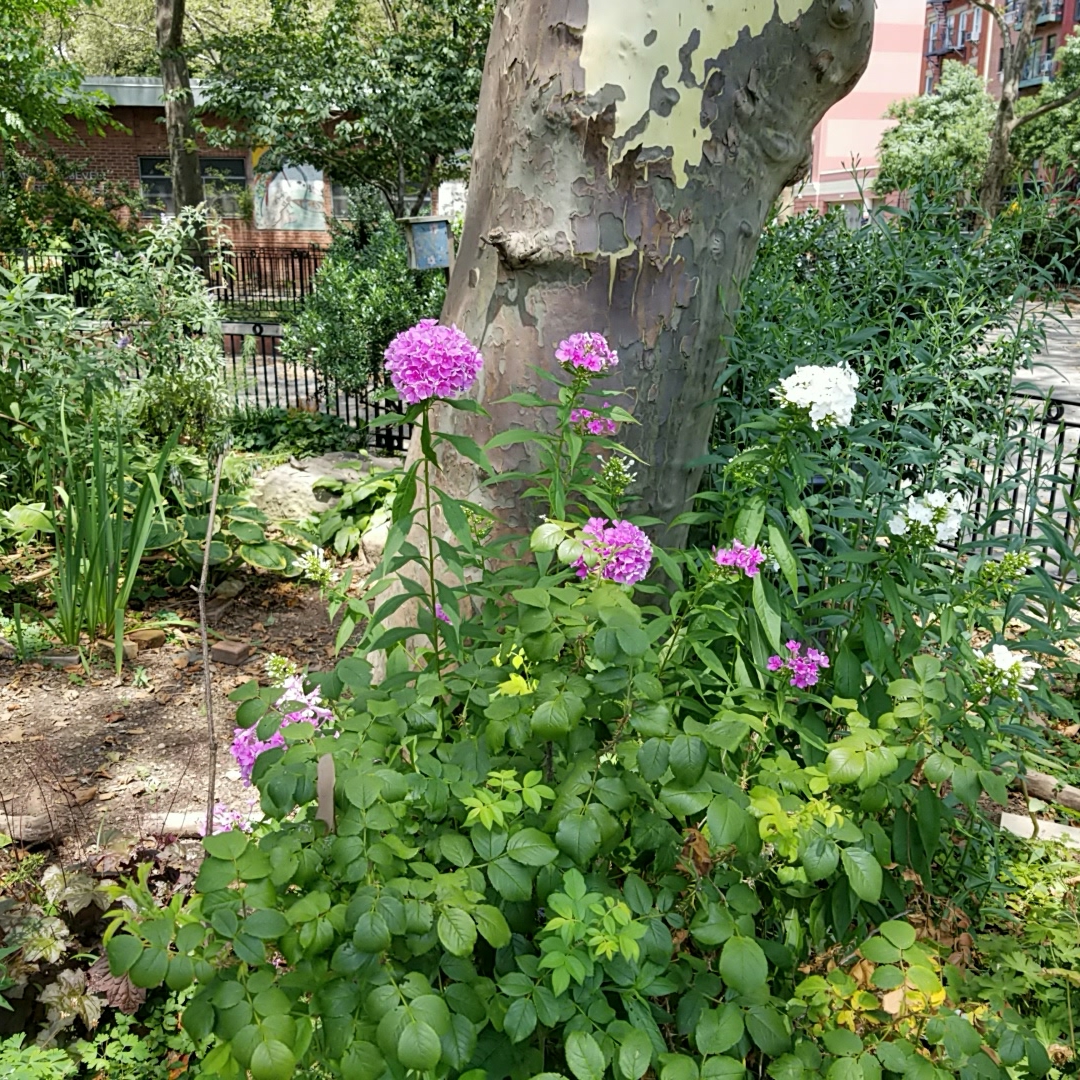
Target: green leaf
<point x="688" y="758"/>
<point x="899" y="934"/>
<point x="781" y="550"/>
<point x="266" y="557"/>
<point x="722" y="1068"/>
<point x="532" y="847"/>
<point x="821" y="858"/>
<point x="150" y="968"/>
<point x="584" y="1056"/>
<point x="371" y="934"/>
<point x="652" y="759"/>
<point x="247" y="532"/>
<point x="678" y="1067"/>
<point x="457" y="931"/>
<point x="726" y="820"/>
<point x="266" y="924"/>
<point x="418" y="1046"/>
<point x="863" y="873"/>
<point x="718" y="1029"/>
<point x="123" y="950"/>
<point x="520" y="1020"/>
<point x="767" y="1027"/>
<point x="492" y="925"/>
<point x="510" y="880"/>
<point x="635" y="1054"/>
<point x="840" y="1041"/>
<point x="743" y="965"/>
<point x="226" y="845"/>
<point x="456" y="849"/>
<point x="578" y="836"/>
<point x="770" y="619"/>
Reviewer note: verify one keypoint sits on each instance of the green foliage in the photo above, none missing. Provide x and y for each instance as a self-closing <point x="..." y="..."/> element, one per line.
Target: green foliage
<point x="581" y="828"/>
<point x="169" y="329"/>
<point x="946" y="132"/>
<point x="1051" y="142"/>
<point x="33" y="1062"/>
<point x="291" y="431"/>
<point x="39" y="92"/>
<point x="99" y="546"/>
<point x="364" y="295"/>
<point x="361" y="504"/>
<point x="389" y="102"/>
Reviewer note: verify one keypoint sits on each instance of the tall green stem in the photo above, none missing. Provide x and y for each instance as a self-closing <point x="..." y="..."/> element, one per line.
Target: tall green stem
<point x="426" y="439"/>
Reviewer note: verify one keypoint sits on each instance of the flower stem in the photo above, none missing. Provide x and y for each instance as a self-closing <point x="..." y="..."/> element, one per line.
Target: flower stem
<point x="426" y="440"/>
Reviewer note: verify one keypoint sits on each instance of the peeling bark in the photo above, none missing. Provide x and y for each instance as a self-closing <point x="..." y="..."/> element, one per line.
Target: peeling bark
<point x="627" y="155"/>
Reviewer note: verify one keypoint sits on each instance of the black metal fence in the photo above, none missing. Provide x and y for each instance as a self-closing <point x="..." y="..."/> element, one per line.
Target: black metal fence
<point x="252" y="283"/>
<point x="261" y="377"/>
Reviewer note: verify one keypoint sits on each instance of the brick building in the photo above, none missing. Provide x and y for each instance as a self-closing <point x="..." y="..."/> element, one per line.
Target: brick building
<point x="291" y="208"/>
<point x="844" y="161"/>
<point x="957" y="30"/>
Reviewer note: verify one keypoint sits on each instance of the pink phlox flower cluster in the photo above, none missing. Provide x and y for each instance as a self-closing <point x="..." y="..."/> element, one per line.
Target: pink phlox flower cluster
<point x="429" y="361"/>
<point x="587" y="352"/>
<point x="741" y="557"/>
<point x="623" y="550"/>
<point x="247" y="746"/>
<point x="226" y="819"/>
<point x="803" y="667"/>
<point x="440" y="613"/>
<point x="590" y="422"/>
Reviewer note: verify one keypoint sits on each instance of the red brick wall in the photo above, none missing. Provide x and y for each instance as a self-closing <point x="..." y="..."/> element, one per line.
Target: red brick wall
<point x="117" y="153"/>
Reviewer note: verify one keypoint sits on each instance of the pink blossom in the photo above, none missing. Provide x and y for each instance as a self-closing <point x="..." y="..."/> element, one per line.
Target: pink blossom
<point x="740" y="557"/>
<point x="440" y="613"/>
<point x="586" y="352"/>
<point x="590" y="422"/>
<point x="804" y="668"/>
<point x="247" y="746"/>
<point x="429" y="361"/>
<point x="623" y="550"/>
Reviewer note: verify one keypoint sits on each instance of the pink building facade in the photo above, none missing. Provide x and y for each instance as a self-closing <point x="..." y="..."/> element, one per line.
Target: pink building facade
<point x="846" y="141"/>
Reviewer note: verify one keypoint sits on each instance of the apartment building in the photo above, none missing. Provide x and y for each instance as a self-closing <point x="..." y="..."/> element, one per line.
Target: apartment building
<point x="957" y="30"/>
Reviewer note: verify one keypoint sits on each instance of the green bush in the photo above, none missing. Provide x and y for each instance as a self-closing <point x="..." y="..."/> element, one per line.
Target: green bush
<point x="583" y="828"/>
<point x="364" y="295"/>
<point x="292" y="431"/>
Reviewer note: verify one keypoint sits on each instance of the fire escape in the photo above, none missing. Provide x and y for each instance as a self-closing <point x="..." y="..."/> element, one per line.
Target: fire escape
<point x="939" y="44"/>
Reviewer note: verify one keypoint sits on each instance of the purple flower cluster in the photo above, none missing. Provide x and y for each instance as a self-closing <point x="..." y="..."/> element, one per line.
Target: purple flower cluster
<point x="586" y="352"/>
<point x="440" y="613"/>
<point x="740" y="557"/>
<point x="226" y="819"/>
<point x="247" y="746"/>
<point x="623" y="550"/>
<point x="590" y="422"/>
<point x="804" y="668"/>
<point x="429" y="360"/>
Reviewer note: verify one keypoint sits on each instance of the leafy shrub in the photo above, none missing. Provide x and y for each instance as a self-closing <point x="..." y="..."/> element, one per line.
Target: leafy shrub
<point x="364" y="294"/>
<point x="361" y="504"/>
<point x="291" y="431"/>
<point x="33" y="1062"/>
<point x="584" y="827"/>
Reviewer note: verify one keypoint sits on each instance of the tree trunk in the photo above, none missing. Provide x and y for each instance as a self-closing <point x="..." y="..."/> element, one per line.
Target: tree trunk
<point x="1015" y="55"/>
<point x="627" y="156"/>
<point x="176" y="89"/>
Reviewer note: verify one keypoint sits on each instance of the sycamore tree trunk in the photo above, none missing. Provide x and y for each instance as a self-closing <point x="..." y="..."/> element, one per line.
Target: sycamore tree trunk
<point x="627" y="156"/>
<point x="176" y="89"/>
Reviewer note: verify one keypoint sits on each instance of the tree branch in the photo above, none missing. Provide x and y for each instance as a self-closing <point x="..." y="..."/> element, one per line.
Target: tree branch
<point x="1047" y="106"/>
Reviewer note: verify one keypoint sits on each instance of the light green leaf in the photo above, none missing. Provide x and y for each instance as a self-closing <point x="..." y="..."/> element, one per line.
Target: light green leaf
<point x="457" y="931"/>
<point x="584" y="1057"/>
<point x="743" y="965"/>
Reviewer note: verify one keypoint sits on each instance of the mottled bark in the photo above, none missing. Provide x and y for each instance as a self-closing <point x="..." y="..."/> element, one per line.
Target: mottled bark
<point x="627" y="155"/>
<point x="1016" y="44"/>
<point x="176" y="89"/>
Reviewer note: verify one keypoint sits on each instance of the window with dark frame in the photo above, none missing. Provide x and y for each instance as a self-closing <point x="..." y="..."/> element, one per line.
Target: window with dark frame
<point x="224" y="180"/>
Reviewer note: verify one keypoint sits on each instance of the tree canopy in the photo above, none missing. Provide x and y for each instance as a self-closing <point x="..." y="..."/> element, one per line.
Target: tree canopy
<point x="379" y="95"/>
<point x="39" y="91"/>
<point x="947" y="131"/>
<point x="1052" y="139"/>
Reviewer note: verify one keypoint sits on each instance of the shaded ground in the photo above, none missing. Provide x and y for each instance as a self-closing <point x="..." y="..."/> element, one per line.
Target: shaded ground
<point x="99" y="758"/>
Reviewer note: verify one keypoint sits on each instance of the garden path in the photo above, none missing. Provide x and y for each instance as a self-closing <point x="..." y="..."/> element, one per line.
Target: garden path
<point x="1058" y="366"/>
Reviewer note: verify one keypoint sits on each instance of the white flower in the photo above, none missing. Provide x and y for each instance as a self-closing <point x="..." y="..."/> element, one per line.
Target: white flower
<point x="1005" y="671"/>
<point x="919" y="512"/>
<point x="898" y="524"/>
<point x="936" y="499"/>
<point x="827" y="393"/>
<point x="948" y="529"/>
<point x="1006" y="660"/>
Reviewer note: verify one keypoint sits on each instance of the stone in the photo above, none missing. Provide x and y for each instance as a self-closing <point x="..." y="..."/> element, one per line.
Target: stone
<point x="1022" y="825"/>
<point x="229" y="589"/>
<point x="106" y="650"/>
<point x="230" y="652"/>
<point x="29" y="830"/>
<point x="7" y="650"/>
<point x="373" y="541"/>
<point x="60" y="659"/>
<point x="150" y="638"/>
<point x="285" y="492"/>
<point x="186" y="823"/>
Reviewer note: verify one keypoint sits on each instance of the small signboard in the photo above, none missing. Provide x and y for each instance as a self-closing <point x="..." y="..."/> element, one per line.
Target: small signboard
<point x="431" y="244"/>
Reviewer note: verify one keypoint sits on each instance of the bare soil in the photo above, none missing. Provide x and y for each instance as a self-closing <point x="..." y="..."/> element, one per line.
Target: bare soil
<point x="100" y="760"/>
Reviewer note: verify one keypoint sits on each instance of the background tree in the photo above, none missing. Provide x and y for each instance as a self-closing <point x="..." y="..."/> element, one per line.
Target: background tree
<point x="1050" y="136"/>
<point x="382" y="95"/>
<point x="39" y="92"/>
<point x="626" y="159"/>
<point x="179" y="104"/>
<point x="946" y="132"/>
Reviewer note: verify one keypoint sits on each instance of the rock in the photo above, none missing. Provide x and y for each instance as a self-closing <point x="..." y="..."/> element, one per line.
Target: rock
<point x="1022" y="825"/>
<point x="285" y="493"/>
<point x="187" y="823"/>
<point x="230" y="652"/>
<point x="29" y="830"/>
<point x="373" y="541"/>
<point x="7" y="650"/>
<point x="106" y="650"/>
<point x="229" y="589"/>
<point x="150" y="638"/>
<point x="58" y="659"/>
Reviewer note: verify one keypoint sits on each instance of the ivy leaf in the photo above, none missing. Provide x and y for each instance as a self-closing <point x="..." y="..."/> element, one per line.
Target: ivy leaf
<point x="863" y="873"/>
<point x="457" y="932"/>
<point x="584" y="1057"/>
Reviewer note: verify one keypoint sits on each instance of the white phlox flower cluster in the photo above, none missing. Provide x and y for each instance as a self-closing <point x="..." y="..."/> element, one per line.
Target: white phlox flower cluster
<point x="317" y="568"/>
<point x="1004" y="671"/>
<point x="826" y="393"/>
<point x="934" y="514"/>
